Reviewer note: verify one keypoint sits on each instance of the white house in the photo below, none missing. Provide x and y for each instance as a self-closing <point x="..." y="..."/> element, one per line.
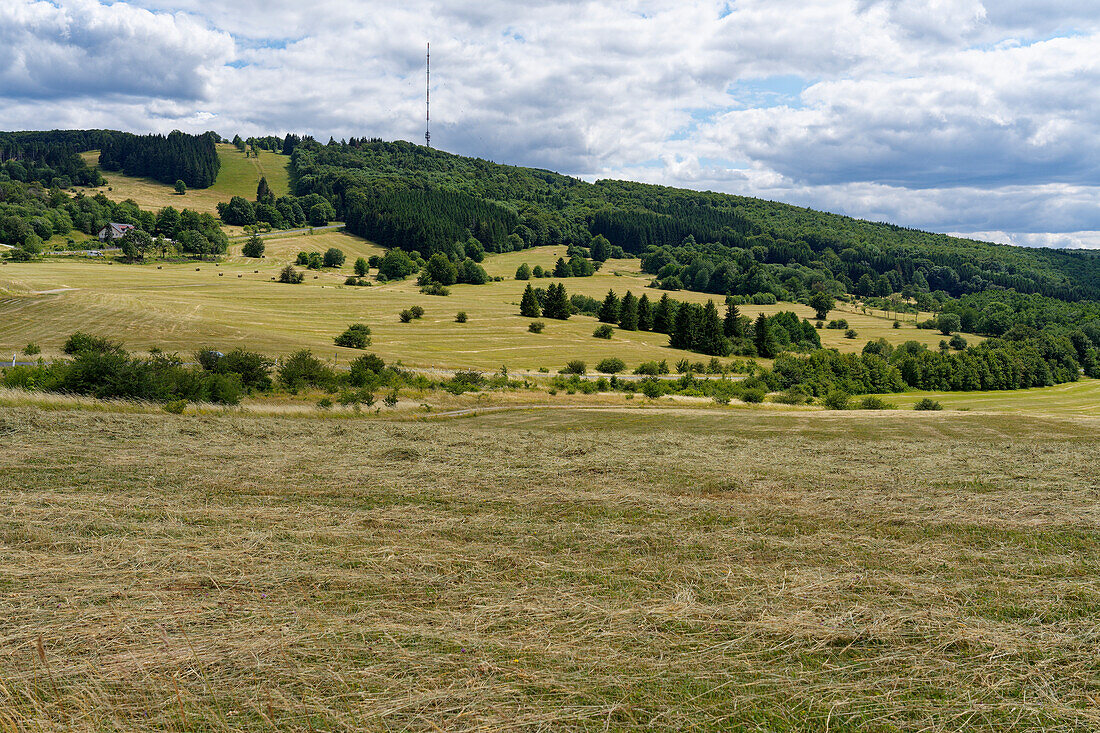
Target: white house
<point x="114" y="231"/>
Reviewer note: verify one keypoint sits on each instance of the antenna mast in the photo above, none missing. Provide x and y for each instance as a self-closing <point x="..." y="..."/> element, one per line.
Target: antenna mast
<point x="428" y="100"/>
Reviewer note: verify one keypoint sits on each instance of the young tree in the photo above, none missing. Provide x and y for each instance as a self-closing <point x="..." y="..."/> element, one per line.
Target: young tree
<point x="557" y="303"/>
<point x="822" y="303"/>
<point x="766" y="344"/>
<point x="361" y="267"/>
<point x="254" y="247"/>
<point x="181" y="187"/>
<point x="562" y="269"/>
<point x="712" y="340"/>
<point x="731" y="324"/>
<point x="263" y="192"/>
<point x="628" y="312"/>
<point x="523" y="272"/>
<point x="685" y="327"/>
<point x="529" y="304"/>
<point x="609" y="310"/>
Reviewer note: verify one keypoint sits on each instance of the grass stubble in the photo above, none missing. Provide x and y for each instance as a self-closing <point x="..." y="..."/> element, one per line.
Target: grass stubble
<point x="570" y="569"/>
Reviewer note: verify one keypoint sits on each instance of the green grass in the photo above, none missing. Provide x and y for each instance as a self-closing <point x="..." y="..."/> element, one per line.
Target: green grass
<point x="238" y="176"/>
<point x="188" y="305"/>
<point x="570" y="569"/>
<point x="1072" y="398"/>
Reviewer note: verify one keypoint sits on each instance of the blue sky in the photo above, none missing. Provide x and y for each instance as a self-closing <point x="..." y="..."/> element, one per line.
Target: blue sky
<point x="963" y="116"/>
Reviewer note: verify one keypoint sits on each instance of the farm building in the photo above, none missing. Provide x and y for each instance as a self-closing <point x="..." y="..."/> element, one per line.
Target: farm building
<point x="114" y="231"/>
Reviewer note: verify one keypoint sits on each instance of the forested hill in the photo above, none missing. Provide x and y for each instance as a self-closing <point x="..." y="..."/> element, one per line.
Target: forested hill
<point x="416" y="198"/>
<point x="53" y="158"/>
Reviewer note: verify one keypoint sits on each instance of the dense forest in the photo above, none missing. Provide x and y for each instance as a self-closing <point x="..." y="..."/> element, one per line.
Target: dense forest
<point x="51" y="158"/>
<point x="413" y="197"/>
<point x="192" y="159"/>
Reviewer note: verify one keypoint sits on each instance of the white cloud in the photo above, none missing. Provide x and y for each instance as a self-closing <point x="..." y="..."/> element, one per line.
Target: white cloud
<point x="945" y="114"/>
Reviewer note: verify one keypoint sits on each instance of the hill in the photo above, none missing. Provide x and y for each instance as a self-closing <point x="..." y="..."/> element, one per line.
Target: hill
<point x="409" y="196"/>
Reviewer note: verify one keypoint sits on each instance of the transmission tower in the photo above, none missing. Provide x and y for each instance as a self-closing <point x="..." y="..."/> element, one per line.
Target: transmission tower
<point x="428" y="100"/>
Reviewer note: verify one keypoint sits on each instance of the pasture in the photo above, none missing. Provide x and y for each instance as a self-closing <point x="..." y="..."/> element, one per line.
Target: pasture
<point x="238" y="176"/>
<point x="571" y="569"/>
<point x="184" y="306"/>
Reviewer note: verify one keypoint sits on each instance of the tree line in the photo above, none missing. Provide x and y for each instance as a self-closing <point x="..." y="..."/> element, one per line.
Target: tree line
<point x="192" y="159"/>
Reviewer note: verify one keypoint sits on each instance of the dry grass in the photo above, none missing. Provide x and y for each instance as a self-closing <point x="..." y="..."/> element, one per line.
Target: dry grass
<point x="554" y="570"/>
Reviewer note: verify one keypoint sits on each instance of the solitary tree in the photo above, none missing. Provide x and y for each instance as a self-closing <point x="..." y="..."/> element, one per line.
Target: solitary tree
<point x="822" y="303"/>
<point x="523" y="272"/>
<point x="254" y="247"/>
<point x="361" y="267"/>
<point x="181" y="187"/>
<point x="335" y="257"/>
<point x="562" y="268"/>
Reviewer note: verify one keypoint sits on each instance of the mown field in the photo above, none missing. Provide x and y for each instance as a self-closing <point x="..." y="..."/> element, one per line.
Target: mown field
<point x="549" y="570"/>
<point x="238" y="176"/>
<point x="184" y="306"/>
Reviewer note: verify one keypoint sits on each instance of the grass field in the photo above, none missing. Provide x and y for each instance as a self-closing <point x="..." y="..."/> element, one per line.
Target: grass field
<point x="554" y="570"/>
<point x="238" y="176"/>
<point x="187" y="305"/>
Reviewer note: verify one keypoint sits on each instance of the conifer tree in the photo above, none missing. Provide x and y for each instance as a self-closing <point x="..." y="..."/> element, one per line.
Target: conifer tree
<point x="562" y="268"/>
<point x="685" y="327"/>
<point x="557" y="303"/>
<point x="645" y="314"/>
<point x="663" y="315"/>
<point x="529" y="303"/>
<point x="763" y="338"/>
<point x="609" y="310"/>
<point x="711" y="338"/>
<point x="731" y="325"/>
<point x="628" y="312"/>
<point x="263" y="192"/>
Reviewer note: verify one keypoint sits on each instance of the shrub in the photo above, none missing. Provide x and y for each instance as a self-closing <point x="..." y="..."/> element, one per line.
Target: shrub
<point x="613" y="365"/>
<point x="302" y="369"/>
<point x="324" y="404"/>
<point x="81" y="342"/>
<point x="461" y="317"/>
<point x="652" y="388"/>
<point x="351" y="280"/>
<point x="796" y="395"/>
<point x="417" y="311"/>
<point x="897" y="324"/>
<point x="957" y="342"/>
<point x="405" y="315"/>
<point x="603" y="331"/>
<point x="875" y="403"/>
<point x="523" y="272"/>
<point x="819" y="325"/>
<point x="253" y="370"/>
<point x="536" y="326"/>
<point x="254" y="247"/>
<point x="576" y="366"/>
<point x="357" y="336"/>
<point x="651" y="368"/>
<point x="928" y="403"/>
<point x="850" y="334"/>
<point x="32" y="349"/>
<point x="391" y="399"/>
<point x="753" y="395"/>
<point x="176" y="407"/>
<point x="361" y="267"/>
<point x="289" y="275"/>
<point x="434" y="288"/>
<point x="836" y="400"/>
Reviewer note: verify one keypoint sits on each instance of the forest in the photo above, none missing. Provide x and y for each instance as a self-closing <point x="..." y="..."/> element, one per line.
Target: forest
<point x="192" y="159"/>
<point x="409" y="196"/>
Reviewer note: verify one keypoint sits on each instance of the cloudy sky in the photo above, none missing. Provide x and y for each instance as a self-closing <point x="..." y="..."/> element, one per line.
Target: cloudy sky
<point x="969" y="116"/>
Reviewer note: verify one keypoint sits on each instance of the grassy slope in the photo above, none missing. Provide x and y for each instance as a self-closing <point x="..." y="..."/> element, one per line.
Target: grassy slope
<point x="238" y="177"/>
<point x="564" y="570"/>
<point x="183" y="306"/>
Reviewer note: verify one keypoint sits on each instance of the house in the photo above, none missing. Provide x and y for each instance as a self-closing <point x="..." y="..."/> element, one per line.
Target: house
<point x="114" y="231"/>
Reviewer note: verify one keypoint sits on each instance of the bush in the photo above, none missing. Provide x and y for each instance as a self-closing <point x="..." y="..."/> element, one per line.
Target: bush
<point x="836" y="400"/>
<point x="840" y="324"/>
<point x="405" y="315"/>
<point x="603" y="331"/>
<point x="523" y="272"/>
<point x="253" y="370"/>
<point x="753" y="395"/>
<point x="928" y="403"/>
<point x="357" y="336"/>
<point x="434" y="288"/>
<point x="289" y="275"/>
<point x="324" y="404"/>
<point x="793" y="396"/>
<point x="875" y="403"/>
<point x="652" y="368"/>
<point x="176" y="407"/>
<point x="32" y="349"/>
<point x="254" y="247"/>
<point x="957" y="342"/>
<point x="851" y="334"/>
<point x="536" y="326"/>
<point x="302" y="369"/>
<point x="652" y="388"/>
<point x="613" y="365"/>
<point x="417" y="311"/>
<point x="81" y="342"/>
<point x="897" y="324"/>
<point x="576" y="366"/>
<point x="361" y="267"/>
<point x="461" y="317"/>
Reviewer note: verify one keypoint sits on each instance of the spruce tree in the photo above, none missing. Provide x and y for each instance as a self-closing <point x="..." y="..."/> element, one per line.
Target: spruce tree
<point x="628" y="312"/>
<point x="763" y="338"/>
<point x="685" y="327"/>
<point x="711" y="338"/>
<point x="645" y="314"/>
<point x="731" y="326"/>
<point x="529" y="303"/>
<point x="663" y="315"/>
<point x="557" y="303"/>
<point x="609" y="310"/>
<point x="562" y="269"/>
<point x="263" y="191"/>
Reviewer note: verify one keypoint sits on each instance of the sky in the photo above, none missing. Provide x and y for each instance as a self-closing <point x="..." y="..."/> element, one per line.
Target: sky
<point x="959" y="116"/>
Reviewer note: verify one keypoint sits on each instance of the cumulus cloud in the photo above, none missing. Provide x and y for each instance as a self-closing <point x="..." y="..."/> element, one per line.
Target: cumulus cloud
<point x="953" y="115"/>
